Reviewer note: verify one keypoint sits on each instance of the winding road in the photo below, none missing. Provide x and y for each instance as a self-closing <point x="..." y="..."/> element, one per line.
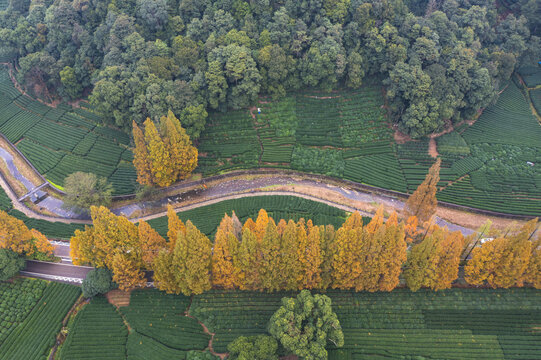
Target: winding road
<point x="192" y="194"/>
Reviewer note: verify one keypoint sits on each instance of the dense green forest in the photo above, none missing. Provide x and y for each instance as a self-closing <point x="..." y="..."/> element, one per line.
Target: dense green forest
<point x="136" y="59"/>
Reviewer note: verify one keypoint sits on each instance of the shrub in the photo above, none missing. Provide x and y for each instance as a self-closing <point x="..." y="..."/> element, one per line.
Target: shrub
<point x="10" y="264"/>
<point x="97" y="281"/>
<point x="260" y="347"/>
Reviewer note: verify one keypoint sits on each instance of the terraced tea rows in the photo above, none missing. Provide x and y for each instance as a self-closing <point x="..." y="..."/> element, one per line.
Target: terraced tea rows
<point x="207" y="218"/>
<point x="98" y="332"/>
<point x="450" y="324"/>
<point x="160" y="323"/>
<point x="16" y="301"/>
<point x="60" y="141"/>
<point x="35" y="336"/>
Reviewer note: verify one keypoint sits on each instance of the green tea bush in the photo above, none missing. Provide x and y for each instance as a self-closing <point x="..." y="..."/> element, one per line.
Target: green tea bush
<point x="452" y="143"/>
<point x="322" y="161"/>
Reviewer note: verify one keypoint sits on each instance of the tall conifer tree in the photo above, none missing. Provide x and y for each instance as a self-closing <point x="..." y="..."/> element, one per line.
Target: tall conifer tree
<point x="159" y="157"/>
<point x="141" y="157"/>
<point x="226" y="244"/>
<point x="422" y="203"/>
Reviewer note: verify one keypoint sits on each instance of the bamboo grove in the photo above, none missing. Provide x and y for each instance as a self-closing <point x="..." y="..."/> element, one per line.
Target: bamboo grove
<point x="272" y="255"/>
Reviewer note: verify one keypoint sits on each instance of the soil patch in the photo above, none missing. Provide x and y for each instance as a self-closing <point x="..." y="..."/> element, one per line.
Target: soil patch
<point x="119" y="298"/>
<point x="400" y="137"/>
<point x="432" y="148"/>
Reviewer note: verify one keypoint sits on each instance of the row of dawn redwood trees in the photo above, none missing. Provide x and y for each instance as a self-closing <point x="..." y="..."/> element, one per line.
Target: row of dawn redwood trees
<point x="268" y="256"/>
<point x="161" y="158"/>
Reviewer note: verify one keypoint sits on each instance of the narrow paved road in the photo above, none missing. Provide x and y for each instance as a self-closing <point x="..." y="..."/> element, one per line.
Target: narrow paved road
<point x="55" y="271"/>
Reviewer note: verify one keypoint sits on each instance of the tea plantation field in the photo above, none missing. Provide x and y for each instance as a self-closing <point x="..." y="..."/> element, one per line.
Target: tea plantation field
<point x="62" y="140"/>
<point x="32" y="314"/>
<point x="451" y="324"/>
<point x="447" y="325"/>
<point x="207" y="218"/>
<point x="492" y="165"/>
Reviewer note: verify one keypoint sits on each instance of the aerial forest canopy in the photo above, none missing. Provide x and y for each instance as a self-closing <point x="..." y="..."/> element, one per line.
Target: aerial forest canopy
<point x="136" y="59"/>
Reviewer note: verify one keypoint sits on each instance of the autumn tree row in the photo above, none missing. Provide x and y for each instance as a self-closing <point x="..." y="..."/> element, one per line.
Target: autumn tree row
<point x="16" y="236"/>
<point x="165" y="156"/>
<point x="268" y="256"/>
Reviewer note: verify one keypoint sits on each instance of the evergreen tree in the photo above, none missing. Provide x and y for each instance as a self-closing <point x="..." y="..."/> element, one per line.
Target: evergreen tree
<point x="422" y="203"/>
<point x="306" y="324"/>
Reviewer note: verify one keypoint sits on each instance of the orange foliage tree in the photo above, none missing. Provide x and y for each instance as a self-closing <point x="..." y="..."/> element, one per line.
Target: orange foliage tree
<point x="141" y="157"/>
<point x="504" y="261"/>
<point x="433" y="263"/>
<point x="151" y="243"/>
<point x="161" y="158"/>
<point x="16" y="236"/>
<point x="422" y="203"/>
<point x="187" y="268"/>
<point x="226" y="243"/>
<point x="113" y="242"/>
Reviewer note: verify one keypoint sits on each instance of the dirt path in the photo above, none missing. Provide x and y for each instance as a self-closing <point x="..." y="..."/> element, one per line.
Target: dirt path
<point x="432" y="148"/>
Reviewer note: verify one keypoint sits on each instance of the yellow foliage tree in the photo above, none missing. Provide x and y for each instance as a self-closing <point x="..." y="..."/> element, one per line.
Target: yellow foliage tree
<point x="226" y="244"/>
<point x="533" y="271"/>
<point x="14" y="234"/>
<point x="433" y="263"/>
<point x="328" y="251"/>
<point x="192" y="256"/>
<point x="151" y="243"/>
<point x="270" y="257"/>
<point x="175" y="226"/>
<point x="82" y="246"/>
<point x="248" y="260"/>
<point x="422" y="203"/>
<point x="164" y="273"/>
<point x="346" y="266"/>
<point x="289" y="267"/>
<point x="310" y="257"/>
<point x="159" y="158"/>
<point x="504" y="261"/>
<point x="113" y="242"/>
<point x="141" y="157"/>
<point x="183" y="153"/>
<point x="41" y="244"/>
<point x="126" y="273"/>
